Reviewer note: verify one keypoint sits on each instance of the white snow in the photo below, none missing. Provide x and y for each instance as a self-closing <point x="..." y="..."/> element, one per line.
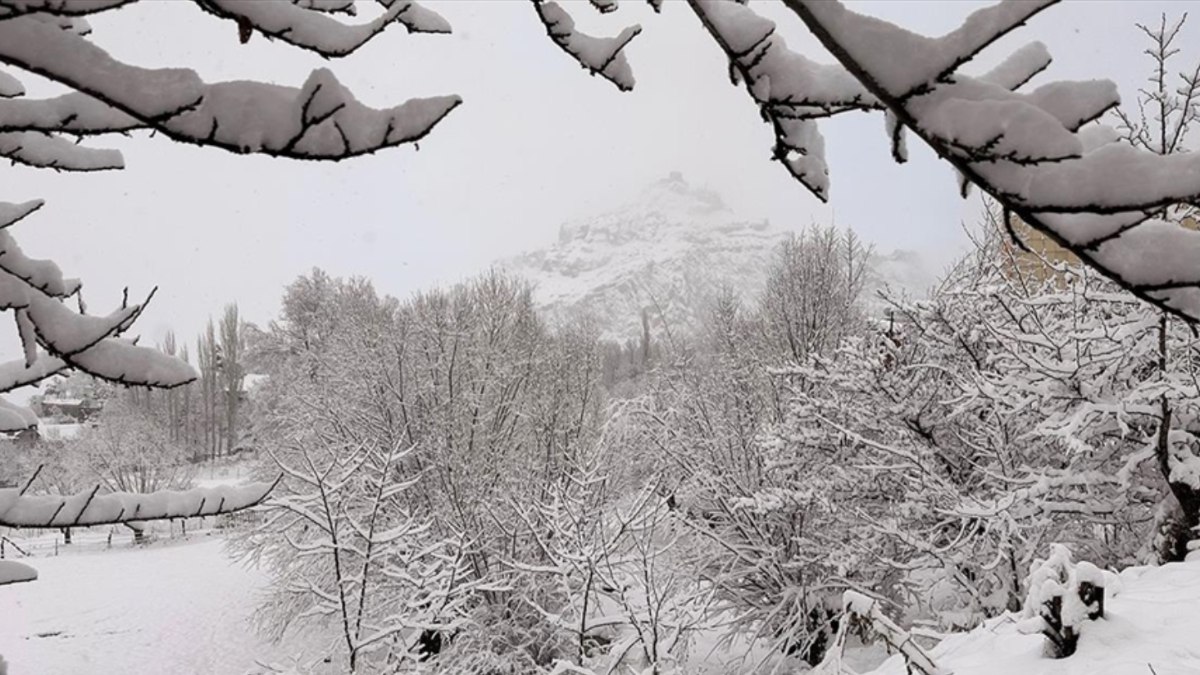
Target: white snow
<point x="902" y="61"/>
<point x="41" y="150"/>
<point x="320" y="33"/>
<point x="603" y="56"/>
<point x="72" y="112"/>
<point x="669" y="250"/>
<point x="1020" y="66"/>
<point x="175" y="608"/>
<point x="119" y="360"/>
<point x="67" y="333"/>
<point x="330" y="6"/>
<point x="1151" y="624"/>
<point x="43" y="275"/>
<point x="14" y="417"/>
<point x="1086" y="572"/>
<point x="666" y="250"/>
<point x="13" y="572"/>
<point x="320" y="120"/>
<point x="64" y="7"/>
<point x="89" y="508"/>
<point x="10" y="86"/>
<point x="1023" y="148"/>
<point x="11" y="213"/>
<point x="18" y="373"/>
<point x="792" y="89"/>
<point x="973" y="115"/>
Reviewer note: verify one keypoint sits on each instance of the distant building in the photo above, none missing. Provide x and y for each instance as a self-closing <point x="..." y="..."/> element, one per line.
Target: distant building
<point x="76" y="409"/>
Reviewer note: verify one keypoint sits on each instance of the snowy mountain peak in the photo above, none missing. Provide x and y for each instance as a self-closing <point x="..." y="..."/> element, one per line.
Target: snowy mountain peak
<point x="667" y="252"/>
<point x="667" y="204"/>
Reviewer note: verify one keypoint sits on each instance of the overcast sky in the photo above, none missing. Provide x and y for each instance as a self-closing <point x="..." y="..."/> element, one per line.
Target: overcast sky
<point x="537" y="142"/>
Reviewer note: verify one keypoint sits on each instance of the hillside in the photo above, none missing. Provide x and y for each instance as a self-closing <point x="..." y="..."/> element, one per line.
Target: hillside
<point x="668" y="252"/>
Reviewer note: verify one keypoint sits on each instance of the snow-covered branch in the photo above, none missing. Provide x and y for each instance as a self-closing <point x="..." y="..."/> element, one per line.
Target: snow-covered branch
<point x="319" y="120"/>
<point x="599" y="56"/>
<point x="301" y="26"/>
<point x="92" y="508"/>
<point x="791" y="90"/>
<point x="867" y="609"/>
<point x="60" y="8"/>
<point x="1029" y="151"/>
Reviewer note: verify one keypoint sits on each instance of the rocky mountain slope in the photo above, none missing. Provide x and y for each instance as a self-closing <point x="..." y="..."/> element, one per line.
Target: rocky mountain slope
<point x="669" y="251"/>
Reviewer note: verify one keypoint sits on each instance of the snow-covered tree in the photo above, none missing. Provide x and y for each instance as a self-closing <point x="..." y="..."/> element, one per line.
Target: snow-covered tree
<point x="1021" y="405"/>
<point x="319" y="120"/>
<point x="811" y="301"/>
<point x="497" y="407"/>
<point x="232" y="373"/>
<point x="1035" y="152"/>
<point x="129" y="450"/>
<point x="346" y="551"/>
<point x="700" y="417"/>
<point x="606" y="571"/>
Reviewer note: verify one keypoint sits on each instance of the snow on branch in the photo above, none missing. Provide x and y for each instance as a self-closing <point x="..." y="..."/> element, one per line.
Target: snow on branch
<point x="329" y="6"/>
<point x="10" y="86"/>
<point x="600" y="56"/>
<point x="604" y="6"/>
<point x="59" y="7"/>
<point x="91" y="508"/>
<point x="10" y="214"/>
<point x="121" y="361"/>
<point x="791" y="90"/>
<point x="320" y="120"/>
<point x="42" y="275"/>
<point x="44" y="151"/>
<point x="866" y="609"/>
<point x="72" y="113"/>
<point x="13" y="572"/>
<point x="66" y="333"/>
<point x="1020" y="66"/>
<point x="317" y="31"/>
<point x="35" y="289"/>
<point x="1030" y="152"/>
<point x="16" y="418"/>
<point x="901" y="63"/>
<point x="418" y="18"/>
<point x="20" y="372"/>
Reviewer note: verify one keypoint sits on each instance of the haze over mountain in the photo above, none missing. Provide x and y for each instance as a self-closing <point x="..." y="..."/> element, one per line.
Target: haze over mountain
<point x="668" y="252"/>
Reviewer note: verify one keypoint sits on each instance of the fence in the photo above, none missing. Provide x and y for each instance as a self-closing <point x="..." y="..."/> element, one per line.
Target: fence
<point x="45" y="543"/>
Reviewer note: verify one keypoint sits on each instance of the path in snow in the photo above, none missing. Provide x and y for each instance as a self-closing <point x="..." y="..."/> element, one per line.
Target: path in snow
<point x="161" y="610"/>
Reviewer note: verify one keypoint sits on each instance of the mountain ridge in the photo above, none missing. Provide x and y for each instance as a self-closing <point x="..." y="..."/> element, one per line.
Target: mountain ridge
<point x="668" y="252"/>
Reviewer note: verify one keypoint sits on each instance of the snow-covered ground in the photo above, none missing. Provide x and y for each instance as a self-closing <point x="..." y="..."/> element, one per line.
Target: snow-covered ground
<point x="178" y="607"/>
<point x="183" y="606"/>
<point x="1151" y="627"/>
